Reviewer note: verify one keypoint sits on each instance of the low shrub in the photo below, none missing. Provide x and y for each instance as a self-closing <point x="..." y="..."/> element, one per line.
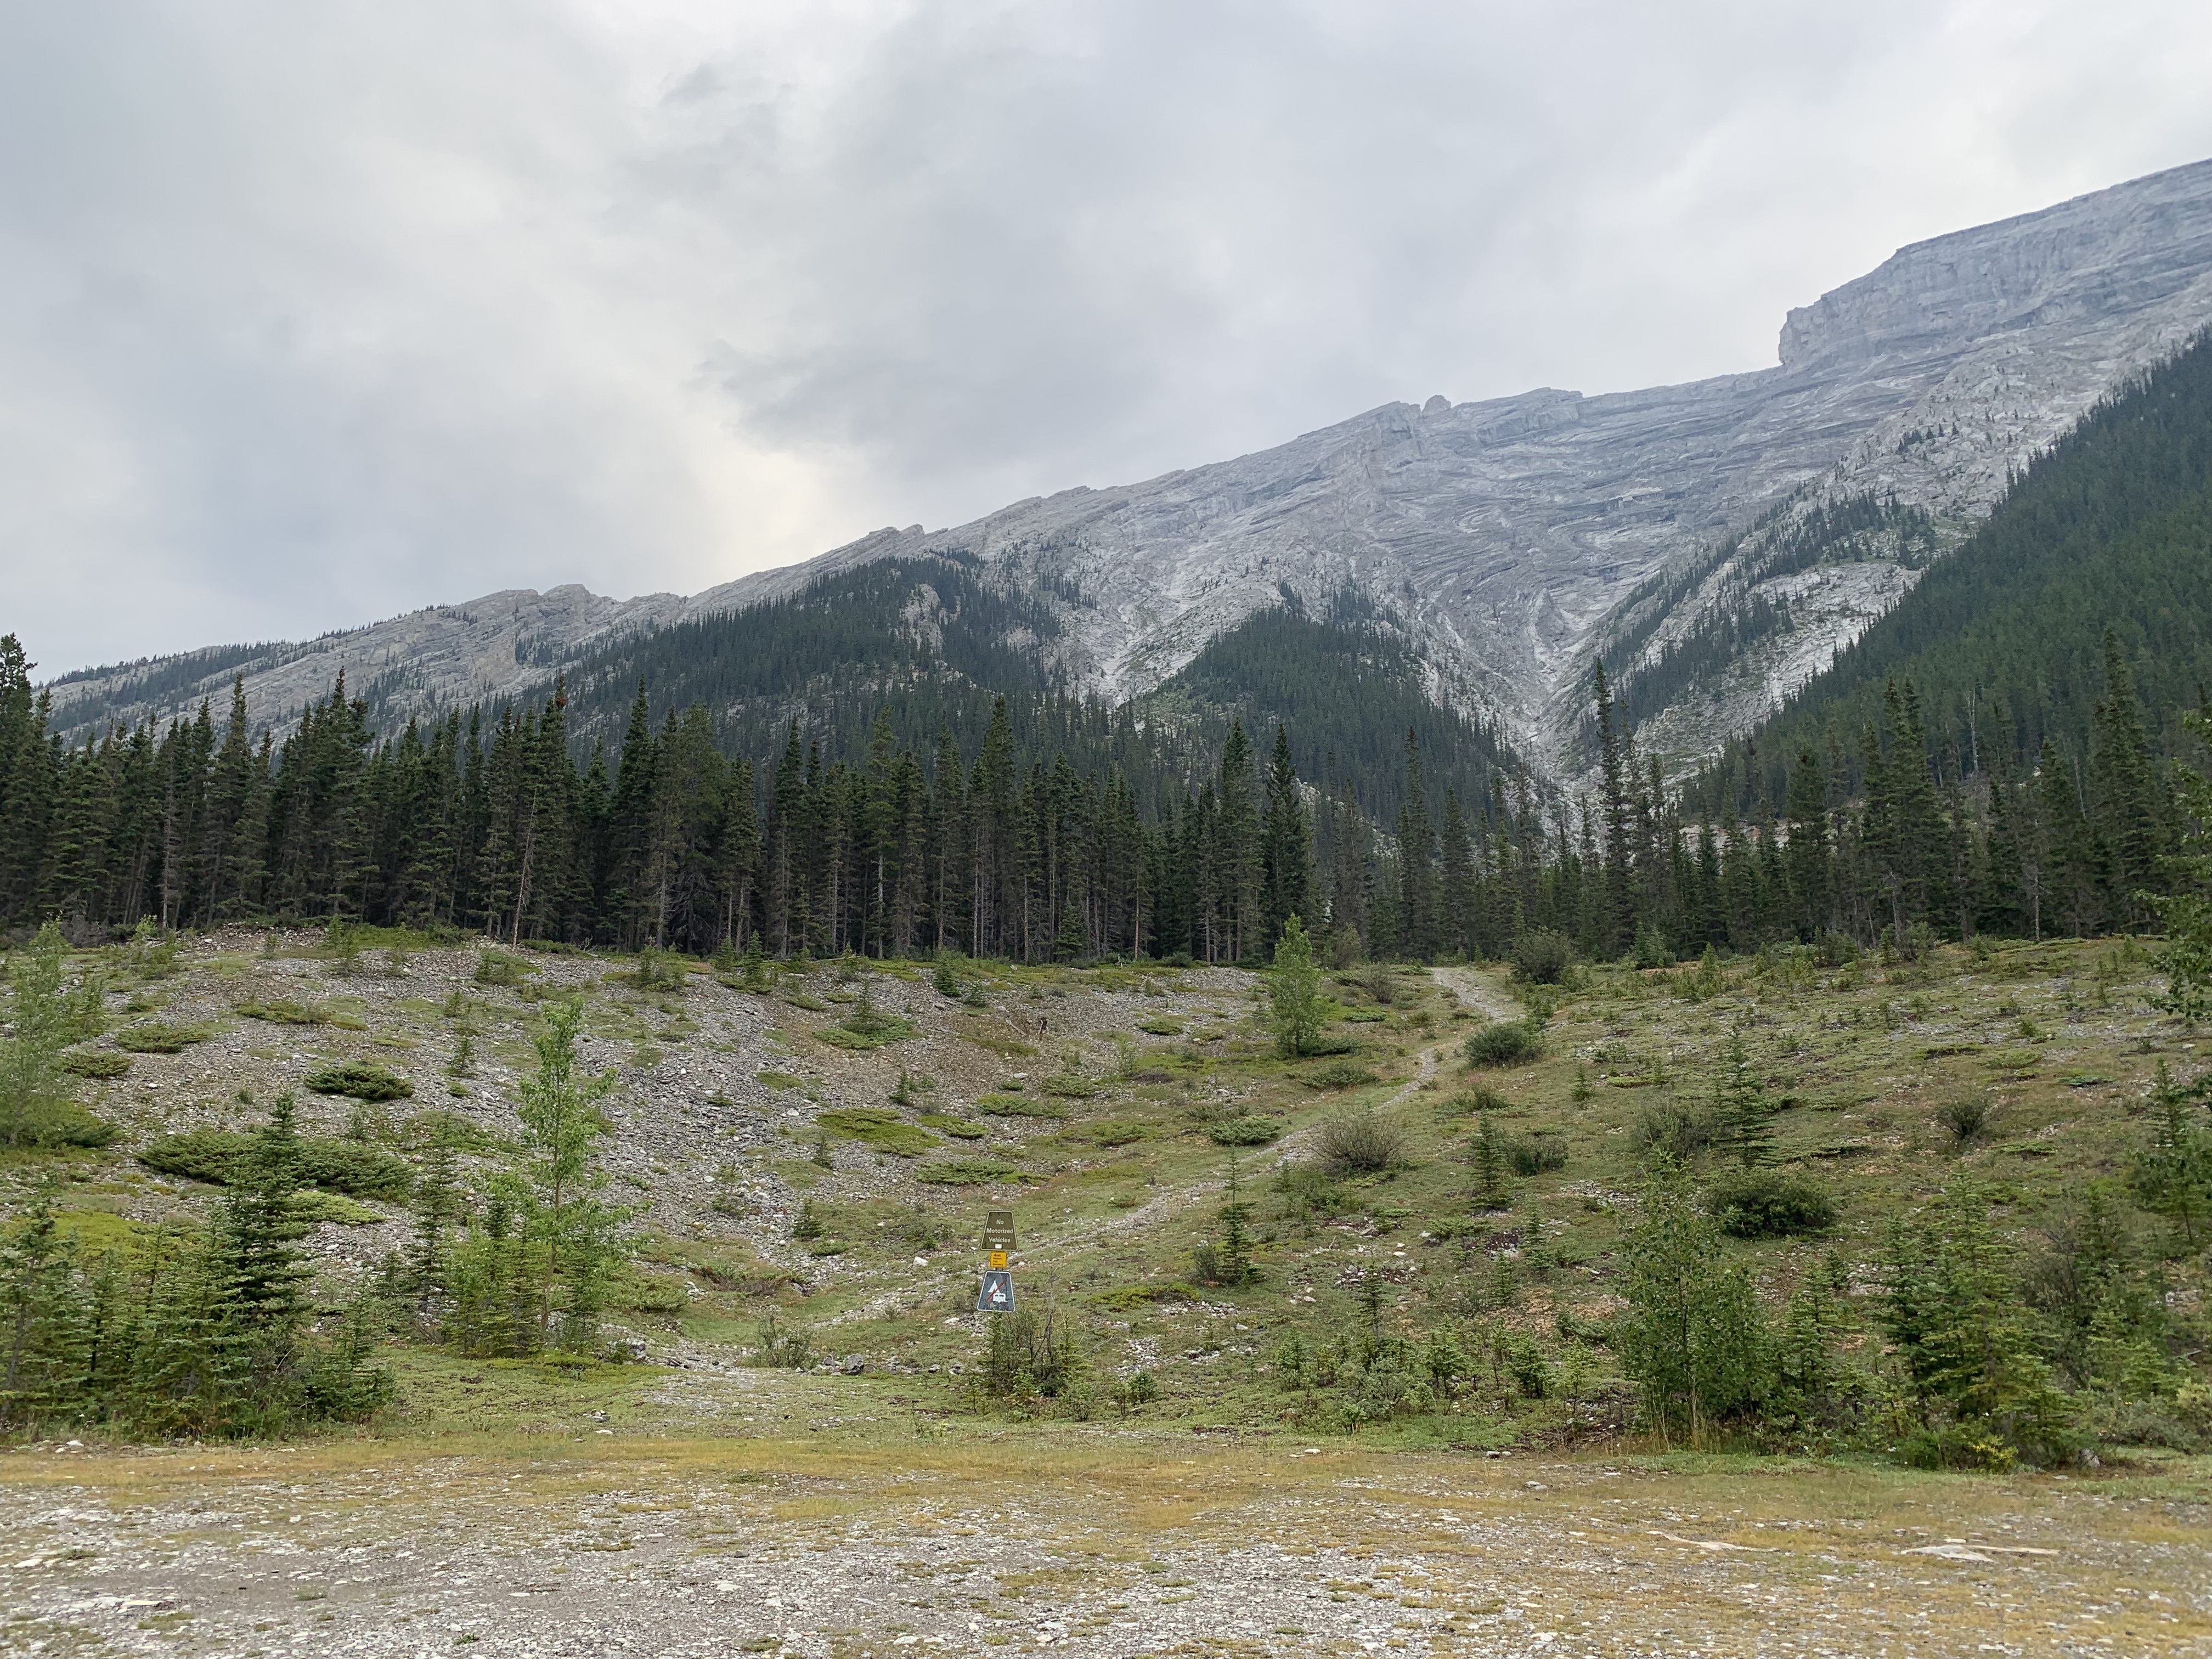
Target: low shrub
<point x="1765" y="1203"/>
<point x="968" y="1172"/>
<point x="880" y="1127"/>
<point x="1119" y="1134"/>
<point x="1668" y="1128"/>
<point x="866" y="1026"/>
<point x="1245" y="1131"/>
<point x="1538" y="1153"/>
<point x="1310" y="1193"/>
<point x="283" y="1012"/>
<point x="336" y="1164"/>
<point x="497" y="968"/>
<point x="1966" y="1119"/>
<point x="53" y="1123"/>
<point x="1505" y="1043"/>
<point x="152" y="1038"/>
<point x="1128" y="1299"/>
<point x="359" y="1079"/>
<point x="1360" y="1143"/>
<point x="1469" y="1101"/>
<point x="958" y="1127"/>
<point x="1341" y="1074"/>
<point x="99" y="1063"/>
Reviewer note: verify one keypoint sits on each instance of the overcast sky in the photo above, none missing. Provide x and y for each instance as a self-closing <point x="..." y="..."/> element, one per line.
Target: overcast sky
<point x="310" y="314"/>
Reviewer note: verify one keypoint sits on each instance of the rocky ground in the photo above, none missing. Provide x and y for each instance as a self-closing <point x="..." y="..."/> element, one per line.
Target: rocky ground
<point x="1097" y="1540"/>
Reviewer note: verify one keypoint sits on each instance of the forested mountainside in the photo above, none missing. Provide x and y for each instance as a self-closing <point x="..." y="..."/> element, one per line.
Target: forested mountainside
<point x="1715" y="542"/>
<point x="930" y="645"/>
<point x="2105" y="542"/>
<point x="891" y="761"/>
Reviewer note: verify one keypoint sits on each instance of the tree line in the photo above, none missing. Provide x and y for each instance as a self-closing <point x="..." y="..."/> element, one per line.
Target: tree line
<point x="493" y="825"/>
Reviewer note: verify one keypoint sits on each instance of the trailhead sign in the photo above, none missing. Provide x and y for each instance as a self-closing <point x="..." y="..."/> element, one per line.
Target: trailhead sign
<point x="997" y="1295"/>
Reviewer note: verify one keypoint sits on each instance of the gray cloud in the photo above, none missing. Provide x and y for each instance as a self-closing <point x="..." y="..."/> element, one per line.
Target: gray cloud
<point x="308" y="315"/>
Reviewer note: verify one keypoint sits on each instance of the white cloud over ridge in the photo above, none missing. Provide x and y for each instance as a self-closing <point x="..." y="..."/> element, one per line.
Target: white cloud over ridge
<point x="310" y="315"/>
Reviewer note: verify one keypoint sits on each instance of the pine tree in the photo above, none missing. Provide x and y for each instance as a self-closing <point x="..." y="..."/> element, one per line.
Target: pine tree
<point x="1294" y="991"/>
<point x="2186" y="913"/>
<point x="1953" y="1315"/>
<point x="43" y="1321"/>
<point x="1809" y="851"/>
<point x="437" y="1206"/>
<point x="562" y="1125"/>
<point x="2123" y="788"/>
<point x="1619" y="925"/>
<point x="1417" y="874"/>
<point x="1287" y="850"/>
<point x="1492" y="1184"/>
<point x="1693" y="1337"/>
<point x="1740" y="1105"/>
<point x="40" y="1023"/>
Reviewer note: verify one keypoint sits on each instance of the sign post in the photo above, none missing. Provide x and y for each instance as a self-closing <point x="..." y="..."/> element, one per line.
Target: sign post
<point x="997" y="1295"/>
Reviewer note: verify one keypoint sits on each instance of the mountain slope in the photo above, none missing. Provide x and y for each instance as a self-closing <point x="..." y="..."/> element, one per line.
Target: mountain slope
<point x="1711" y="540"/>
<point x="2003" y="641"/>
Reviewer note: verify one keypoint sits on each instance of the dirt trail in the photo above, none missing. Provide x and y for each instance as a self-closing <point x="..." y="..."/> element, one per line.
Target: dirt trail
<point x="1477" y="992"/>
<point x="1463" y="982"/>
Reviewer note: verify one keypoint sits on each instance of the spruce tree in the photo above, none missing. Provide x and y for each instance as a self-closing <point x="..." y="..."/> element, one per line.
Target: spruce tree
<point x="1288" y="851"/>
<point x="1740" y="1106"/>
<point x="2186" y="913"/>
<point x="1417" y="874"/>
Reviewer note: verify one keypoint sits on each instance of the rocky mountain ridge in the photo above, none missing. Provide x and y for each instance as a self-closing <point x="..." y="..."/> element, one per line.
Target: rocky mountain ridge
<point x="1686" y="532"/>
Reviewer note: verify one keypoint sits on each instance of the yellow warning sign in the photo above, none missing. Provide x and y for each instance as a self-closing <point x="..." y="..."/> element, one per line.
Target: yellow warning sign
<point x="998" y="1258"/>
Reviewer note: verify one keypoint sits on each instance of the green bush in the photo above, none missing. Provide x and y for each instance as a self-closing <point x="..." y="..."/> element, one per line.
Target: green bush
<point x="1343" y="1074"/>
<point x="1468" y="1101"/>
<point x="958" y="1127"/>
<point x="281" y="1012"/>
<point x="1542" y="956"/>
<point x="1679" y="1132"/>
<point x="1965" y="1118"/>
<point x="334" y="1164"/>
<point x="497" y="968"/>
<point x="52" y="1123"/>
<point x="880" y="1128"/>
<point x="153" y="1038"/>
<point x="866" y="1026"/>
<point x="1763" y="1204"/>
<point x="1505" y="1043"/>
<point x="967" y="1172"/>
<point x="1245" y="1131"/>
<point x="1542" y="1151"/>
<point x="359" y="1079"/>
<point x="101" y="1063"/>
<point x="1360" y="1143"/>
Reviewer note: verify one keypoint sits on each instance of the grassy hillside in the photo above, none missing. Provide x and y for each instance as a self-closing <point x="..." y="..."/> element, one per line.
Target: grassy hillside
<point x="807" y="1164"/>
